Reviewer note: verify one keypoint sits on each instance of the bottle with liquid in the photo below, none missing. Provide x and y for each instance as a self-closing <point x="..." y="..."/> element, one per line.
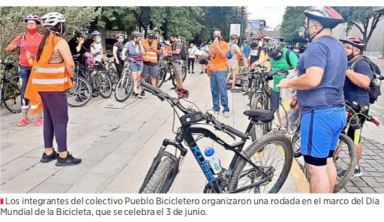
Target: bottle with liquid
<point x="213" y="161"/>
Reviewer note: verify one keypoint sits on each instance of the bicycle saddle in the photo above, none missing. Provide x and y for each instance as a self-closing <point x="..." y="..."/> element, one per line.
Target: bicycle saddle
<point x="262" y="115"/>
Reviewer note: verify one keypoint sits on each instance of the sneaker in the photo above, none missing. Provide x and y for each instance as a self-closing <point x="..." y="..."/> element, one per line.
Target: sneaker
<point x="201" y="72"/>
<point x="226" y="114"/>
<point x="189" y="71"/>
<point x="68" y="161"/>
<point x="357" y="172"/>
<point x="216" y="112"/>
<point x="46" y="159"/>
<point x="39" y="121"/>
<point x="173" y="88"/>
<point x="142" y="93"/>
<point x="193" y="72"/>
<point x="23" y="122"/>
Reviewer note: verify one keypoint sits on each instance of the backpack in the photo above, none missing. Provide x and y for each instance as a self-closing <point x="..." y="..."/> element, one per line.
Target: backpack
<point x="374" y="87"/>
<point x="184" y="53"/>
<point x="287" y="56"/>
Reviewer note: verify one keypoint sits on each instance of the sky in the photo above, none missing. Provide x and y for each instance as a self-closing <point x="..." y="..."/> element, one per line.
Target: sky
<point x="273" y="15"/>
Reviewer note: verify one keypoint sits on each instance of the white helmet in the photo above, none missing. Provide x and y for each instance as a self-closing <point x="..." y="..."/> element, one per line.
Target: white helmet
<point x="52" y="18"/>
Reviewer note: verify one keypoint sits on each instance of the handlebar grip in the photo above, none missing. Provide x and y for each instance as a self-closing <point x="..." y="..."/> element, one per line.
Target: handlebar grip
<point x="235" y="131"/>
<point x="150" y="87"/>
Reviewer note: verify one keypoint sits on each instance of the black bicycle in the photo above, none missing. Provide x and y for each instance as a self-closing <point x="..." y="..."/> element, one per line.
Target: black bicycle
<point x="162" y="73"/>
<point x="261" y="167"/>
<point x="81" y="92"/>
<point x="10" y="88"/>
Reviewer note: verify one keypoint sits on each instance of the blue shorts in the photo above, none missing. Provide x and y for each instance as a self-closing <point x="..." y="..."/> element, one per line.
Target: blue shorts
<point x="275" y="100"/>
<point x="136" y="66"/>
<point x="320" y="131"/>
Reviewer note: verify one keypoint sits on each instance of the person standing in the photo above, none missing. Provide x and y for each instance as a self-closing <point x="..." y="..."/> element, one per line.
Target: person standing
<point x="356" y="89"/>
<point x="218" y="53"/>
<point x="246" y="49"/>
<point x="149" y="50"/>
<point x="50" y="78"/>
<point x="233" y="62"/>
<point x="117" y="53"/>
<point x="322" y="69"/>
<point x="27" y="43"/>
<point x="203" y="62"/>
<point x="135" y="59"/>
<point x="97" y="50"/>
<point x="178" y="63"/>
<point x="191" y="58"/>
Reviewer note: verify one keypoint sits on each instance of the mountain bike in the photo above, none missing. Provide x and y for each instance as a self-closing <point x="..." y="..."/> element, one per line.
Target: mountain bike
<point x="10" y="89"/>
<point x="261" y="167"/>
<point x="124" y="86"/>
<point x="100" y="81"/>
<point x="81" y="92"/>
<point x="112" y="72"/>
<point x="162" y="73"/>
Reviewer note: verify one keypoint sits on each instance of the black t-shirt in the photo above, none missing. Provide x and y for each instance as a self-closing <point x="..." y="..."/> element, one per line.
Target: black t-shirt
<point x="120" y="47"/>
<point x="73" y="43"/>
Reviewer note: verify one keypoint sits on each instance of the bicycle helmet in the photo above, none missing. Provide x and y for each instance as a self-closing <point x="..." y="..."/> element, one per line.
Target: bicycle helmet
<point x="120" y="34"/>
<point x="32" y="17"/>
<point x="274" y="46"/>
<point x="52" y="19"/>
<point x="151" y="35"/>
<point x="326" y="15"/>
<point x="95" y="33"/>
<point x="355" y="41"/>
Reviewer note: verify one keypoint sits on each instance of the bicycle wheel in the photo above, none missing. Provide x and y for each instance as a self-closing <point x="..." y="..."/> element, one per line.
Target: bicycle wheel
<point x="272" y="154"/>
<point x="296" y="143"/>
<point x="162" y="74"/>
<point x="158" y="178"/>
<point x="80" y="93"/>
<point x="124" y="88"/>
<point x="113" y="76"/>
<point x="245" y="84"/>
<point x="11" y="95"/>
<point x="345" y="159"/>
<point x="105" y="87"/>
<point x="259" y="129"/>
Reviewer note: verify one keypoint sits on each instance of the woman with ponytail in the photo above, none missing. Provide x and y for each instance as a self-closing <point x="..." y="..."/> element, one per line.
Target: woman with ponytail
<point x="27" y="44"/>
<point x="50" y="78"/>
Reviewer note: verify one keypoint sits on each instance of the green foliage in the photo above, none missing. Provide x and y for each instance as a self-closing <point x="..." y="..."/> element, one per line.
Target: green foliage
<point x="12" y="23"/>
<point x="293" y="19"/>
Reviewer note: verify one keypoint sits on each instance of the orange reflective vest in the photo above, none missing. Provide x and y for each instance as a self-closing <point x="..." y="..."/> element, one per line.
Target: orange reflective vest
<point x="46" y="77"/>
<point x="150" y="54"/>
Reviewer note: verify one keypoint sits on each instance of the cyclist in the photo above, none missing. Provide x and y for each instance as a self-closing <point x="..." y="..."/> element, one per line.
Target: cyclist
<point x="135" y="58"/>
<point x="233" y="62"/>
<point x="79" y="47"/>
<point x="117" y="53"/>
<point x="278" y="59"/>
<point x="50" y="78"/>
<point x="97" y="50"/>
<point x="27" y="44"/>
<point x="150" y="48"/>
<point x="178" y="63"/>
<point x="320" y="96"/>
<point x="356" y="87"/>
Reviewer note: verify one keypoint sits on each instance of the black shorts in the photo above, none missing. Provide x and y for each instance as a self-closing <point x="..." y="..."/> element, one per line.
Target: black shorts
<point x="203" y="62"/>
<point x="315" y="161"/>
<point x="275" y="99"/>
<point x="356" y="124"/>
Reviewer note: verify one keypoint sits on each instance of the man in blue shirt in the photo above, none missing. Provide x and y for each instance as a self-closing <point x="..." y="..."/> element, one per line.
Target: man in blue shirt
<point x="320" y="96"/>
<point x="359" y="77"/>
<point x="246" y="50"/>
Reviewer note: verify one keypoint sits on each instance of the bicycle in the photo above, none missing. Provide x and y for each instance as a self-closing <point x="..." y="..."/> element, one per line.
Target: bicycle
<point x="247" y="171"/>
<point x="10" y="89"/>
<point x="124" y="86"/>
<point x="169" y="68"/>
<point x="100" y="81"/>
<point x="112" y="71"/>
<point x="81" y="92"/>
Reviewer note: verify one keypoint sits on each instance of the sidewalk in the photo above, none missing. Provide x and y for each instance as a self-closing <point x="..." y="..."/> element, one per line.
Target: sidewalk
<point x="117" y="142"/>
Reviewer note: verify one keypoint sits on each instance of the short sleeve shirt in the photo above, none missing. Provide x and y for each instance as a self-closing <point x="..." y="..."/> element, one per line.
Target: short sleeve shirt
<point x="234" y="51"/>
<point x="246" y="49"/>
<point x="27" y="44"/>
<point x="175" y="46"/>
<point x="98" y="49"/>
<point x="328" y="54"/>
<point x="354" y="93"/>
<point x="281" y="64"/>
<point x="218" y="62"/>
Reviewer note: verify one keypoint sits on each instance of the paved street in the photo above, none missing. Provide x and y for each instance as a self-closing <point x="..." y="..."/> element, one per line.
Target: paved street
<point x="118" y="141"/>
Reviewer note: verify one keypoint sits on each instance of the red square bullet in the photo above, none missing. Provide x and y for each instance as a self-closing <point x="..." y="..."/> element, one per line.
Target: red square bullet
<point x="1" y="201"/>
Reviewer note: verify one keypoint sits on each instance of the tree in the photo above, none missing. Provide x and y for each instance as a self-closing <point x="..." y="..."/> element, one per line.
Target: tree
<point x="11" y="20"/>
<point x="293" y="20"/>
<point x="363" y="18"/>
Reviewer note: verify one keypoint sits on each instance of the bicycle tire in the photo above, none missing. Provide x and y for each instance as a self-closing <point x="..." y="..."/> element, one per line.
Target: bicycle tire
<point x="82" y="90"/>
<point x="296" y="143"/>
<point x="105" y="87"/>
<point x="124" y="87"/>
<point x="258" y="148"/>
<point x="345" y="178"/>
<point x="158" y="178"/>
<point x="162" y="73"/>
<point x="12" y="99"/>
<point x="259" y="129"/>
<point x="244" y="85"/>
<point x="113" y="76"/>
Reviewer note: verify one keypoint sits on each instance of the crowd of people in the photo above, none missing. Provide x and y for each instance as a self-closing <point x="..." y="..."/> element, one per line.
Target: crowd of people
<point x="329" y="72"/>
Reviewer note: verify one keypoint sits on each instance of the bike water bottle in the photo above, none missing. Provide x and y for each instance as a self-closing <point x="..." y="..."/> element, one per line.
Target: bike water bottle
<point x="213" y="161"/>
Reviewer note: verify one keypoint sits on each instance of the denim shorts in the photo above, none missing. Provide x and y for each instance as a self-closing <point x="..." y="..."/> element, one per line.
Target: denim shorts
<point x="320" y="131"/>
<point x="136" y="66"/>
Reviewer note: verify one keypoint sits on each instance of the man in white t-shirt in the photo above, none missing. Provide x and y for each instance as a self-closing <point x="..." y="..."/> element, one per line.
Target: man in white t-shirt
<point x="191" y="57"/>
<point x="233" y="63"/>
